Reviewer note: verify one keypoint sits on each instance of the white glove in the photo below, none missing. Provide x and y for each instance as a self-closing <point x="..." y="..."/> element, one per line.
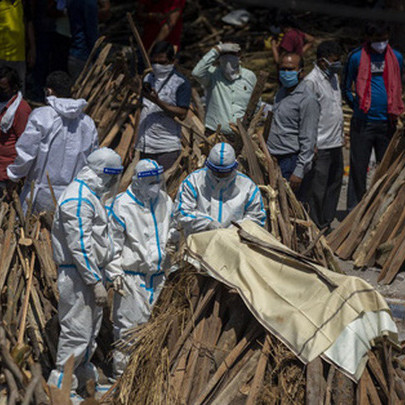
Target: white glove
<point x="118" y="285"/>
<point x="100" y="294"/>
<point x="228" y="48"/>
<point x="214" y="225"/>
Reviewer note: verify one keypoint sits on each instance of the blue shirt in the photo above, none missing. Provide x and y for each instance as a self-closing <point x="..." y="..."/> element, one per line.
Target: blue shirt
<point x="83" y="20"/>
<point x="378" y="109"/>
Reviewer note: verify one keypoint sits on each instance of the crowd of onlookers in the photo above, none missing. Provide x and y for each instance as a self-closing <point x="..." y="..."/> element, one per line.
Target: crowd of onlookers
<point x="306" y="133"/>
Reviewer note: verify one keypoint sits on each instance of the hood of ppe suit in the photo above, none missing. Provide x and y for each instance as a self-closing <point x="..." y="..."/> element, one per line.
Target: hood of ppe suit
<point x="67" y="107"/>
<point x="147" y="181"/>
<point x="102" y="171"/>
<point x="222" y="158"/>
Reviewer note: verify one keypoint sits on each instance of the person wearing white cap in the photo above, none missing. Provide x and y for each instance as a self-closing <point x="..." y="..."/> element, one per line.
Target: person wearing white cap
<point x="218" y="194"/>
<point x="82" y="247"/>
<point x="141" y="227"/>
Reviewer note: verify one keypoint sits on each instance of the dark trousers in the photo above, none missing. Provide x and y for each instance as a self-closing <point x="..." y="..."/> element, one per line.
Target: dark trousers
<point x="364" y="136"/>
<point x="164" y="159"/>
<point x="287" y="164"/>
<point x="324" y="182"/>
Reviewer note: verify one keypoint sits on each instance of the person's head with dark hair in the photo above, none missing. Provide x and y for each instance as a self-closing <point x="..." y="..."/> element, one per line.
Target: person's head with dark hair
<point x="328" y="56"/>
<point x="291" y="70"/>
<point x="287" y="21"/>
<point x="162" y="53"/>
<point x="59" y="84"/>
<point x="10" y="83"/>
<point x="377" y="34"/>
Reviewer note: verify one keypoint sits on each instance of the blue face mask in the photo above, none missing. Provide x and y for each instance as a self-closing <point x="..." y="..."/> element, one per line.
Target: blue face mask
<point x="288" y="78"/>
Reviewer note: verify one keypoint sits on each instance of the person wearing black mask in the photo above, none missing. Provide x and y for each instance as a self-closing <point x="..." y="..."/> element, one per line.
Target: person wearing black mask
<point x="14" y="112"/>
<point x="325" y="178"/>
<point x="375" y="72"/>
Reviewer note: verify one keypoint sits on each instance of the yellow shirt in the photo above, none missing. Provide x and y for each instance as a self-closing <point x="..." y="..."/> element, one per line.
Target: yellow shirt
<point x="12" y="31"/>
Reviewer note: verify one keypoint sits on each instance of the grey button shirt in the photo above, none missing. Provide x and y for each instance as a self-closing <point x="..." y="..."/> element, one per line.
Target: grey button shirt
<point x="294" y="127"/>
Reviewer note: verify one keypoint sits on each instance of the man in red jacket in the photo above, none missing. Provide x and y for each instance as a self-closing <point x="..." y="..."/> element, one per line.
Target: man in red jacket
<point x="14" y="112"/>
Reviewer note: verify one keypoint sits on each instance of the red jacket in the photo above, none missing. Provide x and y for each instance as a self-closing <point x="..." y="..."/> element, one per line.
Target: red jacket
<point x="9" y="139"/>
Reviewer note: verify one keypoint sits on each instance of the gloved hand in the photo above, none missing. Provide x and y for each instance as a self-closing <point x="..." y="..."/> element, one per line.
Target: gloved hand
<point x="118" y="285"/>
<point x="228" y="48"/>
<point x="100" y="294"/>
<point x="214" y="225"/>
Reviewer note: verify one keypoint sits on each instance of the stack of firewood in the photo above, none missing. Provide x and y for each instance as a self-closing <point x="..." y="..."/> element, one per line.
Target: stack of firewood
<point x="374" y="232"/>
<point x="203" y="346"/>
<point x="28" y="302"/>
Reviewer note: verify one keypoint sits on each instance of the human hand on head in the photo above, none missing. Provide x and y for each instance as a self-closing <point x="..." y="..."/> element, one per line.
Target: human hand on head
<point x="228" y="47"/>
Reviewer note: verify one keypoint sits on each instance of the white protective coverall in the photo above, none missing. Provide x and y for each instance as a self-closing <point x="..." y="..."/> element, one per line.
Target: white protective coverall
<point x="82" y="248"/>
<point x="206" y="201"/>
<point x="57" y="140"/>
<point x="140" y="224"/>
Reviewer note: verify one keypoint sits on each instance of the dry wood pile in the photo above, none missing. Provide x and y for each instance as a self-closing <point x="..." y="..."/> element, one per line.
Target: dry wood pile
<point x="28" y="302"/>
<point x="203" y="346"/>
<point x="374" y="232"/>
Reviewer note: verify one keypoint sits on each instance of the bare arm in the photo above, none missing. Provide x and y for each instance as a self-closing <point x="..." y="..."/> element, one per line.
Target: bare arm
<point x="274" y="48"/>
<point x="167" y="27"/>
<point x="309" y="41"/>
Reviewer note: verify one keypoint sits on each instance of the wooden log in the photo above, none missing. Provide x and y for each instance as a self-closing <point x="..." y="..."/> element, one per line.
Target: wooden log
<point x="188" y="380"/>
<point x="254" y="98"/>
<point x="96" y="46"/>
<point x="381" y="214"/>
<point x="361" y="392"/>
<point x="340" y="234"/>
<point x="8" y="250"/>
<point x="378" y="373"/>
<point x="394" y="262"/>
<point x="199" y="310"/>
<point x="365" y="253"/>
<point x="253" y="331"/>
<point x="231" y="392"/>
<point x="27" y="294"/>
<point x="258" y="379"/>
<point x="315" y="384"/>
<point x="343" y="389"/>
<point x="371" y="390"/>
<point x="139" y="42"/>
<point x="206" y="365"/>
<point x="254" y="168"/>
<point x="396" y="146"/>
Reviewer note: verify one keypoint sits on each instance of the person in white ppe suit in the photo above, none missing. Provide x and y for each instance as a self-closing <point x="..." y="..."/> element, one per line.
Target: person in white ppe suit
<point x="218" y="194"/>
<point x="82" y="247"/>
<point x="141" y="227"/>
<point x="57" y="140"/>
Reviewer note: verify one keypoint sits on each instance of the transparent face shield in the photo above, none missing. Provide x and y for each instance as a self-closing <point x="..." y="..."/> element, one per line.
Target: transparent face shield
<point x="221" y="175"/>
<point x="148" y="184"/>
<point x="111" y="181"/>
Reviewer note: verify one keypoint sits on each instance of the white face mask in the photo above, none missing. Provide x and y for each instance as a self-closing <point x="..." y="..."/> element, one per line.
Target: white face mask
<point x="379" y="47"/>
<point x="161" y="71"/>
<point x="153" y="191"/>
<point x="230" y="66"/>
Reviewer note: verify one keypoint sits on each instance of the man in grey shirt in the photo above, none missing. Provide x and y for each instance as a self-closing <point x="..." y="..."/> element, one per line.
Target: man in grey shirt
<point x="294" y="128"/>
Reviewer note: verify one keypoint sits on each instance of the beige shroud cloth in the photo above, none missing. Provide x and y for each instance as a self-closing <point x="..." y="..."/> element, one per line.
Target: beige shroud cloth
<point x="305" y="305"/>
